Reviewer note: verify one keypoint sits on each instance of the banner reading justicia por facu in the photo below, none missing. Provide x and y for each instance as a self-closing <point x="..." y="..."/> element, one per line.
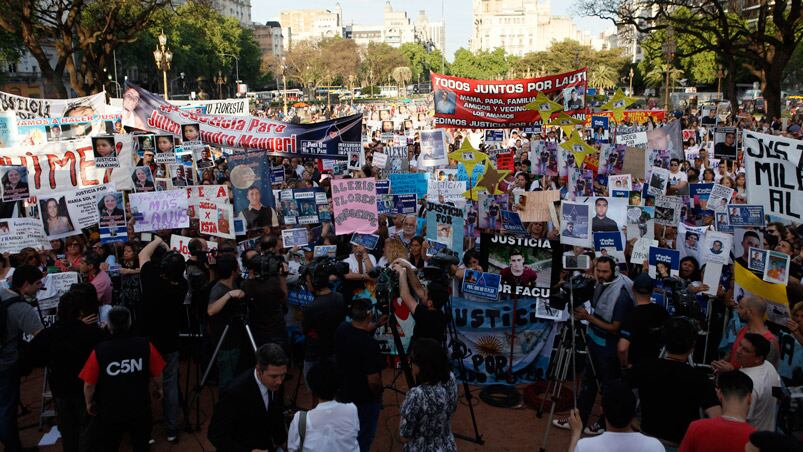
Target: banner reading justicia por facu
<point x="464" y="102"/>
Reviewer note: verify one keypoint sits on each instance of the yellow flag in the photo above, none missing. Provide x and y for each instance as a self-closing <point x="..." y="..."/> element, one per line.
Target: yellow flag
<point x="757" y="286"/>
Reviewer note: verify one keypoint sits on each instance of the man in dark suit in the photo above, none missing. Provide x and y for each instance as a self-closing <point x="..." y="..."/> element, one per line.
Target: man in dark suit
<point x="249" y="414"/>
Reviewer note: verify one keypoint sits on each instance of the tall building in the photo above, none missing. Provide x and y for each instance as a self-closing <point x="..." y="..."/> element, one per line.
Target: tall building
<point x="520" y="26"/>
<point x="238" y="9"/>
<point x="270" y="40"/>
<point x="310" y="25"/>
<point x="430" y="34"/>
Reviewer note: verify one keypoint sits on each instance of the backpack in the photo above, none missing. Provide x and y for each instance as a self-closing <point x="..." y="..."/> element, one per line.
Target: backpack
<point x="4" y="305"/>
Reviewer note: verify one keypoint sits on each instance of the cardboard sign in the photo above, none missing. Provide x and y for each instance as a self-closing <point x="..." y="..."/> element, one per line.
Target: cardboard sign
<point x="354" y="202"/>
<point x="155" y="211"/>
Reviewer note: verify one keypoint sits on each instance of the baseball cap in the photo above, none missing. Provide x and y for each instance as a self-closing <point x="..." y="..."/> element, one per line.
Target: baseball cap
<point x="643" y="284"/>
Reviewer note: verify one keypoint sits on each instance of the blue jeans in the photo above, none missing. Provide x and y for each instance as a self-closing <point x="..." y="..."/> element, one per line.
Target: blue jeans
<point x="9" y="403"/>
<point x="606" y="366"/>
<point x="170" y="403"/>
<point x="368" y="413"/>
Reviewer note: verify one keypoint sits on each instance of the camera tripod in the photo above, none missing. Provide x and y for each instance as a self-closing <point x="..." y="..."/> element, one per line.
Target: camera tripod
<point x="242" y="317"/>
<point x="559" y="369"/>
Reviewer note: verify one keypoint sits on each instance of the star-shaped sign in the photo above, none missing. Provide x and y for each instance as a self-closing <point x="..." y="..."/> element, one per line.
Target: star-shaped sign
<point x="579" y="148"/>
<point x="490" y="180"/>
<point x="617" y="104"/>
<point x="468" y="156"/>
<point x="566" y="123"/>
<point x="544" y="106"/>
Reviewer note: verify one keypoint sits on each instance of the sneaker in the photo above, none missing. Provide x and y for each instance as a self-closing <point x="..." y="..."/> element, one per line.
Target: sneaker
<point x="594" y="430"/>
<point x="173" y="439"/>
<point x="562" y="423"/>
<point x="152" y="442"/>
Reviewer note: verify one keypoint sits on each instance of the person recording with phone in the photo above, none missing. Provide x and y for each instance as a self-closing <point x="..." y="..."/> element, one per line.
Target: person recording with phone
<point x="612" y="302"/>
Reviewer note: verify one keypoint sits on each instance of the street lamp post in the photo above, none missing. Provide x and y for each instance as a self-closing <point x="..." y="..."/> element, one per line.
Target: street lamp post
<point x="220" y="80"/>
<point x="236" y="69"/>
<point x="669" y="49"/>
<point x="720" y="76"/>
<point x="630" y="90"/>
<point x="163" y="56"/>
<point x="284" y="86"/>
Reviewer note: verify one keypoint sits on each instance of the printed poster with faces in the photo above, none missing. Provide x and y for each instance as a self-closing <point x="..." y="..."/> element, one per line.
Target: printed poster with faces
<point x="302" y="206"/>
<point x="15" y="183"/>
<point x="111" y="217"/>
<point x="716" y="247"/>
<point x="105" y="150"/>
<point x="65" y="213"/>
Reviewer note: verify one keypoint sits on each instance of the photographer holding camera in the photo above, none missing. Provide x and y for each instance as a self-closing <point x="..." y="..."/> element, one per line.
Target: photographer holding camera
<point x="430" y="322"/>
<point x="266" y="295"/>
<point x="612" y="302"/>
<point x="323" y="315"/>
<point x="223" y="308"/>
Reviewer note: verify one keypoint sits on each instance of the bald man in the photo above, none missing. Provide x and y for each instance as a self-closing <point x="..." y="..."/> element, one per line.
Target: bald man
<point x="751" y="311"/>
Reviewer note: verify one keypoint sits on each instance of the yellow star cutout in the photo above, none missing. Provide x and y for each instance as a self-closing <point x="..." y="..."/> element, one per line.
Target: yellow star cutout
<point x="468" y="156"/>
<point x="490" y="180"/>
<point x="579" y="148"/>
<point x="544" y="106"/>
<point x="617" y="104"/>
<point x="566" y="123"/>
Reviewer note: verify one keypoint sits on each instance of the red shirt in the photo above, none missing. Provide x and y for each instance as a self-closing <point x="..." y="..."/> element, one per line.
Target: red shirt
<point x="91" y="369"/>
<point x="739" y="336"/>
<point x="716" y="435"/>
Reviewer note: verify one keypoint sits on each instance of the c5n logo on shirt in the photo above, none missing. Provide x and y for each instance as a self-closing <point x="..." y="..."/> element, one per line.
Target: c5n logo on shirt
<point x="125" y="366"/>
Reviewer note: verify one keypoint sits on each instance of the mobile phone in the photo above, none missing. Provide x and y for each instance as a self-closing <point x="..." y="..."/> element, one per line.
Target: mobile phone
<point x="146" y="236"/>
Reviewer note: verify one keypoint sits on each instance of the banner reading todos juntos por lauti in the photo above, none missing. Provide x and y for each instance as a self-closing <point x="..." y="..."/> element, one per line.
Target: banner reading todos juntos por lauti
<point x="463" y="102"/>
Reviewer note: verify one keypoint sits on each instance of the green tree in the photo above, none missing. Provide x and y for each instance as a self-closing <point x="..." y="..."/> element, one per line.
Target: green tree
<point x="341" y="59"/>
<point x="605" y="65"/>
<point x="603" y="77"/>
<point x="304" y="64"/>
<point x="378" y="60"/>
<point x="421" y="62"/>
<point x="483" y="65"/>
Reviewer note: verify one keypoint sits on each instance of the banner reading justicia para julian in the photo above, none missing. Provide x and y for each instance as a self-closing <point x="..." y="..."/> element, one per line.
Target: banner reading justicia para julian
<point x="464" y="102"/>
<point x="321" y="140"/>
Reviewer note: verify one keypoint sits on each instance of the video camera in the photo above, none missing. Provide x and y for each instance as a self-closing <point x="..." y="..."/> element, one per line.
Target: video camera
<point x="439" y="266"/>
<point x="683" y="302"/>
<point x="387" y="287"/>
<point x="578" y="289"/>
<point x="321" y="268"/>
<point x="266" y="265"/>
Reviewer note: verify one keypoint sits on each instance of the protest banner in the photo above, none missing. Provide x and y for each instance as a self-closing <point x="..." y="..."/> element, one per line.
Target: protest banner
<point x="294" y="237"/>
<point x="216" y="219"/>
<point x="249" y="173"/>
<point x="401" y="183"/>
<point x="490" y="341"/>
<point x="67" y="165"/>
<point x="396" y="204"/>
<point x="111" y="216"/>
<point x="632" y="139"/>
<point x="354" y="203"/>
<point x="301" y="206"/>
<point x="434" y="148"/>
<point x="230" y="107"/>
<point x="664" y="262"/>
<point x="19" y="233"/>
<point x="66" y="213"/>
<point x="524" y="264"/>
<point x="772" y="166"/>
<point x="535" y="205"/>
<point x="35" y="131"/>
<point x="159" y="210"/>
<point x="27" y="107"/>
<point x="446" y="191"/>
<point x="218" y="194"/>
<point x="331" y="139"/>
<point x="446" y="224"/>
<point x="468" y="103"/>
<point x="742" y="216"/>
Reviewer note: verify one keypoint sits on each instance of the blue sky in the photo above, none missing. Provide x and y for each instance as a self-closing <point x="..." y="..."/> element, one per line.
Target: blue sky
<point x="458" y="14"/>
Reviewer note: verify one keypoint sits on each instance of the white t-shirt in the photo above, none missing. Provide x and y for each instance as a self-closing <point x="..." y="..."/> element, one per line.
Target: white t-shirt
<point x="620" y="442"/>
<point x="676" y="178"/>
<point x="354" y="266"/>
<point x="764" y="406"/>
<point x="331" y="426"/>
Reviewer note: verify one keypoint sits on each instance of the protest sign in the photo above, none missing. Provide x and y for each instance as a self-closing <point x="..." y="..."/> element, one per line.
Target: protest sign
<point x="658" y="181"/>
<point x="181" y="243"/>
<point x="575" y="224"/>
<point x="666" y="138"/>
<point x="667" y="209"/>
<point x="324" y="251"/>
<point x="719" y="197"/>
<point x="524" y="264"/>
<point x="610" y="214"/>
<point x="494" y="136"/>
<point x="299" y="296"/>
<point x="249" y="173"/>
<point x="699" y="194"/>
<point x="481" y="284"/>
<point x="632" y="139"/>
<point x="634" y="164"/>
<point x="611" y="159"/>
<point x="725" y="143"/>
<point x="772" y="166"/>
<point x="294" y="237"/>
<point x="742" y="216"/>
<point x="511" y="223"/>
<point x="301" y="206"/>
<point x="641" y="250"/>
<point x="640" y="222"/>
<point x="489" y="208"/>
<point x="622" y="182"/>
<point x="434" y="147"/>
<point x="409" y="183"/>
<point x="535" y="205"/>
<point x="396" y="204"/>
<point x="505" y="161"/>
<point x="14" y="183"/>
<point x="19" y="233"/>
<point x="216" y="219"/>
<point x="27" y="107"/>
<point x="41" y="130"/>
<point x="664" y="262"/>
<point x="610" y="244"/>
<point x="445" y="224"/>
<point x="66" y="213"/>
<point x="233" y="107"/>
<point x="111" y="216"/>
<point x="380" y="160"/>
<point x="398" y="160"/>
<point x="67" y="165"/>
<point x="354" y="202"/>
<point x="328" y="139"/>
<point x="446" y="191"/>
<point x="716" y="247"/>
<point x="159" y="210"/>
<point x="54" y="285"/>
<point x="776" y="269"/>
<point x="757" y="260"/>
<point x="277" y="173"/>
<point x="218" y="194"/>
<point x="468" y="103"/>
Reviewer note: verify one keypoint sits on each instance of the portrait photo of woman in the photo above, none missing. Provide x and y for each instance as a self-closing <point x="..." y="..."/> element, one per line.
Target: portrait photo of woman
<point x="55" y="217"/>
<point x="109" y="209"/>
<point x="143" y="179"/>
<point x="15" y="185"/>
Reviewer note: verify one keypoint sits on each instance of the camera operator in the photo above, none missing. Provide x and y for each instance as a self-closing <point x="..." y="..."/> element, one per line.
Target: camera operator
<point x="612" y="302"/>
<point x="266" y="295"/>
<point x="321" y="317"/>
<point x="430" y="322"/>
<point x="164" y="293"/>
<point x="198" y="276"/>
<point x="222" y="310"/>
